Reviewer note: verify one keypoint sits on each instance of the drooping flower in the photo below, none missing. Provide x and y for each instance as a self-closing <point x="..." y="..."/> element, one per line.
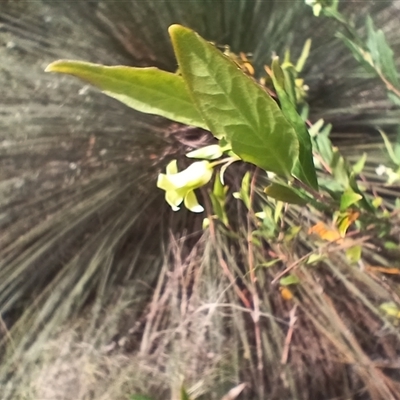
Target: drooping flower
<point x="180" y="186"/>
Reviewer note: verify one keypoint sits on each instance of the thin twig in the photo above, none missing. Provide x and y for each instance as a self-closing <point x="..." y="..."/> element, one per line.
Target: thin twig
<point x="288" y="339"/>
<point x="253" y="278"/>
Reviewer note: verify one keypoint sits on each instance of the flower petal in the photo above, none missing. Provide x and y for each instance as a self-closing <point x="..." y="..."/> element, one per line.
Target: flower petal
<point x="174" y="199"/>
<point x="196" y="175"/>
<point x="163" y="182"/>
<point x="191" y="202"/>
<point x="211" y="152"/>
<point x="172" y="167"/>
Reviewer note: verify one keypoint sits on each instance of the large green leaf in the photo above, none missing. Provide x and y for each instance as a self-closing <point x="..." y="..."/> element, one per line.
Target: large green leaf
<point x="148" y="90"/>
<point x="235" y="106"/>
<point x="304" y="168"/>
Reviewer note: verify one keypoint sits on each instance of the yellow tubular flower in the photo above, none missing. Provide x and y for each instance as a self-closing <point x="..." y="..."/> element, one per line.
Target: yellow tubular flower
<point x="179" y="186"/>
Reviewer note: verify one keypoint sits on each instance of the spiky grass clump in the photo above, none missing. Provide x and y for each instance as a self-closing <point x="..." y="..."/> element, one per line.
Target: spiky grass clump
<point x="105" y="293"/>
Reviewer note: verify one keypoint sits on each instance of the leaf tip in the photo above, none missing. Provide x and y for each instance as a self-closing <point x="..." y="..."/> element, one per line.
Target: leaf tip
<point x="174" y="28"/>
<point x="51" y="67"/>
<point x="56" y="66"/>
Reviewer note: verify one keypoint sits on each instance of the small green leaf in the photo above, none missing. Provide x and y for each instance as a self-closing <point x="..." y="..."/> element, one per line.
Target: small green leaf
<point x="184" y="394"/>
<point x="389" y="148"/>
<point x="140" y="397"/>
<point x="359" y="165"/>
<point x="324" y="145"/>
<point x="304" y="55"/>
<point x="376" y="202"/>
<point x="304" y="168"/>
<point x="285" y="193"/>
<point x="348" y="199"/>
<point x="340" y="169"/>
<point x="244" y="193"/>
<point x="391" y="245"/>
<point x="218" y="200"/>
<point x="314" y="258"/>
<point x="289" y="280"/>
<point x="363" y="57"/>
<point x="353" y="254"/>
<point x="292" y="233"/>
<point x="148" y="90"/>
<point x="234" y="106"/>
<point x="316" y="127"/>
<point x="394" y="98"/>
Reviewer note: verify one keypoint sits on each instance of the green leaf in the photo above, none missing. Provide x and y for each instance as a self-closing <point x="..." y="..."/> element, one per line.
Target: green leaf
<point x="359" y="165"/>
<point x="393" y="156"/>
<point x="304" y="168"/>
<point x="348" y="199"/>
<point x="304" y="55"/>
<point x="381" y="53"/>
<point x="234" y="106"/>
<point x="148" y="90"/>
<point x="289" y="280"/>
<point x="140" y="397"/>
<point x="340" y="169"/>
<point x="290" y="89"/>
<point x="314" y="130"/>
<point x="218" y="200"/>
<point x="363" y="57"/>
<point x="314" y="258"/>
<point x="353" y="254"/>
<point x="376" y="202"/>
<point x="285" y="193"/>
<point x="391" y="245"/>
<point x="184" y="394"/>
<point x="394" y="98"/>
<point x="244" y="193"/>
<point x="324" y="145"/>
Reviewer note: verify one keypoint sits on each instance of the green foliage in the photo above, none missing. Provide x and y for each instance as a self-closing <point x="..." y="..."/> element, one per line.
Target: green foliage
<point x="304" y="168"/>
<point x="373" y="53"/>
<point x="286" y="193"/>
<point x="381" y="53"/>
<point x="148" y="90"/>
<point x="214" y="92"/>
<point x="289" y="280"/>
<point x="234" y="106"/>
<point x="348" y="199"/>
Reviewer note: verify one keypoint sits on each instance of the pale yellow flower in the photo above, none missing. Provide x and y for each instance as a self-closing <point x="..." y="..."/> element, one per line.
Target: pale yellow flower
<point x="179" y="186"/>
